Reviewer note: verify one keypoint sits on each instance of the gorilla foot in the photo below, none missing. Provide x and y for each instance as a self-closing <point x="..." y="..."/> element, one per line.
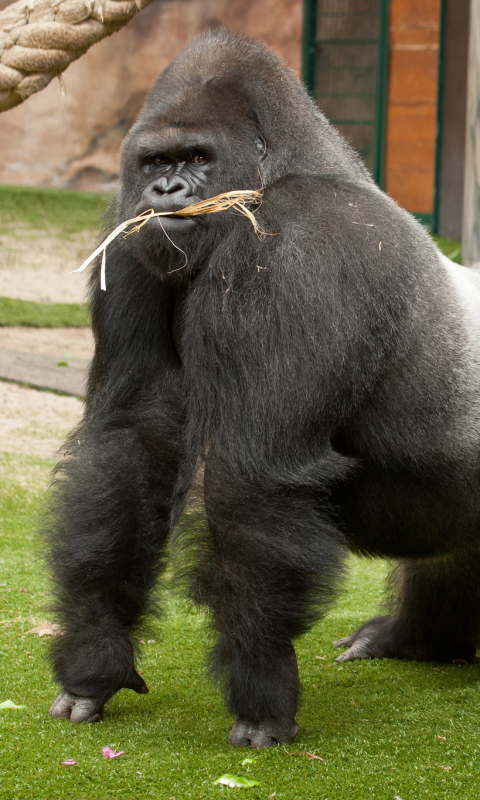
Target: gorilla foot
<point x="372" y="640"/>
<point x="75" y="708"/>
<point x="267" y="732"/>
<point x="388" y="637"/>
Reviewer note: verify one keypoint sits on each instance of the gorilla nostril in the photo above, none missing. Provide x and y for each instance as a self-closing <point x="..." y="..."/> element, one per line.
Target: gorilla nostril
<point x="176" y="186"/>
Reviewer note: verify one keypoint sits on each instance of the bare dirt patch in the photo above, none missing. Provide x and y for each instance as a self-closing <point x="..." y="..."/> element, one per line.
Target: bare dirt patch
<point x="33" y="422"/>
<point x="37" y="266"/>
<point x="62" y="342"/>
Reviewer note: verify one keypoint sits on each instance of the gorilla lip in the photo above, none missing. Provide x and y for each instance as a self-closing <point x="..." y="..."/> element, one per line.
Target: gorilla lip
<point x="238" y="199"/>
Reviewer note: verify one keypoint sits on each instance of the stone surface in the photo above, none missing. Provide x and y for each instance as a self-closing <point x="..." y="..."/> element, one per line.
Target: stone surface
<point x="42" y="371"/>
<point x="76" y="145"/>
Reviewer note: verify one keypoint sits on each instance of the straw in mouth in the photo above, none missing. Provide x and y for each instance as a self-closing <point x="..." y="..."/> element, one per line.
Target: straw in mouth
<point x="222" y="202"/>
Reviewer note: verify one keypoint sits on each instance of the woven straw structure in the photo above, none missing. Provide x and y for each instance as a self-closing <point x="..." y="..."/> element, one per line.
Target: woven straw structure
<point x="40" y="38"/>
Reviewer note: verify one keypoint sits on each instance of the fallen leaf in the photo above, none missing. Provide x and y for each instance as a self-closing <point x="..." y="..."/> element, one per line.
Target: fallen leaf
<point x="235" y="781"/>
<point x="69" y="763"/>
<point x="47" y="629"/>
<point x="109" y="752"/>
<point x="25" y="591"/>
<point x="442" y="737"/>
<point x="9" y="704"/>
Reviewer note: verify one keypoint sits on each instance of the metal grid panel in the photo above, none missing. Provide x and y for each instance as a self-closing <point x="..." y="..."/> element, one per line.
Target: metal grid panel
<point x="346" y="67"/>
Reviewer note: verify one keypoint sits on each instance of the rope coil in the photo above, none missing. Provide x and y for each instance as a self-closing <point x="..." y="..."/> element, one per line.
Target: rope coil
<point x="40" y="38"/>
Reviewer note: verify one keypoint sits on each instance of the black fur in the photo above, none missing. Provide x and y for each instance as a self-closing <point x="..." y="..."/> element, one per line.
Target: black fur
<point x="323" y="373"/>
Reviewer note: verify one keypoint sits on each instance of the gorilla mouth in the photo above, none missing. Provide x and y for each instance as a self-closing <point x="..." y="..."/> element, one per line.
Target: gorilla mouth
<point x="238" y="199"/>
<point x="169" y="209"/>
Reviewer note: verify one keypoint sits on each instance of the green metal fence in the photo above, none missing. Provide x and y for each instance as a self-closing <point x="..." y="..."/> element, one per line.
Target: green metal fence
<point x="345" y="68"/>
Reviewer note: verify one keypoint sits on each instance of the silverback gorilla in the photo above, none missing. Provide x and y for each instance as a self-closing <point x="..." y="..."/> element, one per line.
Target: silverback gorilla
<point x="328" y="377"/>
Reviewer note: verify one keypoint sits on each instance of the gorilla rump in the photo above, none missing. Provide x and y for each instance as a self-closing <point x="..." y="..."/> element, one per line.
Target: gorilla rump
<point x="328" y="376"/>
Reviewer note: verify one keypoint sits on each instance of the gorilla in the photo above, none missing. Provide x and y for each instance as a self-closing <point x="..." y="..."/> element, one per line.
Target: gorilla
<point x="325" y="377"/>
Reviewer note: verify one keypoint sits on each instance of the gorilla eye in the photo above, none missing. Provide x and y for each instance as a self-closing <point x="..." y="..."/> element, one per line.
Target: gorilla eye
<point x="199" y="158"/>
<point x="159" y="161"/>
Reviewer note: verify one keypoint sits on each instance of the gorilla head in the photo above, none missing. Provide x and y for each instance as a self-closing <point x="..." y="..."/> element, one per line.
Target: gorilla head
<point x="226" y="114"/>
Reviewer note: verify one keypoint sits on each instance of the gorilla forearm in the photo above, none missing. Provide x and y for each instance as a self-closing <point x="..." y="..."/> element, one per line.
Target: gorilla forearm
<point x="112" y="505"/>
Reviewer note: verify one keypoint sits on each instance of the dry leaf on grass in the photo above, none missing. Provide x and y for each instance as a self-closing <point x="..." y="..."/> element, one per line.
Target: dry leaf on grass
<point x="47" y="629"/>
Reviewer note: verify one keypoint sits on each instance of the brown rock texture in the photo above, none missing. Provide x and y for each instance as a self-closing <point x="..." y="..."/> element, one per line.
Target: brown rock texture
<point x="74" y="143"/>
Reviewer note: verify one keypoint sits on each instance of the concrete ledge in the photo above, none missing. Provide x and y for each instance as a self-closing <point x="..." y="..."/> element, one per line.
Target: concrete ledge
<point x="43" y="371"/>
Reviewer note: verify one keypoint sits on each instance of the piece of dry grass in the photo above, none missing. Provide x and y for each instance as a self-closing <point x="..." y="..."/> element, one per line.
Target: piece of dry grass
<point x="222" y="202"/>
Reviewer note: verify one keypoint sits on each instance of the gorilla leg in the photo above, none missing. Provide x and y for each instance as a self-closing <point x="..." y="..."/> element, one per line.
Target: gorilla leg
<point x="112" y="507"/>
<point x="438" y="617"/>
<point x="269" y="574"/>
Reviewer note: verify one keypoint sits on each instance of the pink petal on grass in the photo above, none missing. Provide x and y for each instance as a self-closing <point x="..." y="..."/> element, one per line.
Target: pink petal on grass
<point x="69" y="763"/>
<point x="109" y="752"/>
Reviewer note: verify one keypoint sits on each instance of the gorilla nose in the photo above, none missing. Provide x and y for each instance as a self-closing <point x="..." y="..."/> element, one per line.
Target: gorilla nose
<point x="164" y="193"/>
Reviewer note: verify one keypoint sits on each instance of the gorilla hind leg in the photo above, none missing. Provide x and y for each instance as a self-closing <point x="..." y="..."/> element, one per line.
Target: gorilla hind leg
<point x="269" y="570"/>
<point x="438" y="617"/>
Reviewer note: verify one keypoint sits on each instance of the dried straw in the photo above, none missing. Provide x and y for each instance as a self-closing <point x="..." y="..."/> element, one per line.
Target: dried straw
<point x="213" y="205"/>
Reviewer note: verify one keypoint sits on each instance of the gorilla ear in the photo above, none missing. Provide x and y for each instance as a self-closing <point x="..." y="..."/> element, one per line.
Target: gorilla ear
<point x="261" y="146"/>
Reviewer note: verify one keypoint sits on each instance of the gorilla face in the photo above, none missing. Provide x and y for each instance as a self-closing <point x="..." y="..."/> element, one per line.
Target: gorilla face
<point x="171" y="161"/>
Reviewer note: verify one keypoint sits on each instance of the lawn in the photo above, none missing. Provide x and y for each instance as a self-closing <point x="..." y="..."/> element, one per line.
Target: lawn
<point x="51" y="209"/>
<point x="384" y="729"/>
<point x="371" y="729"/>
<point x="42" y="315"/>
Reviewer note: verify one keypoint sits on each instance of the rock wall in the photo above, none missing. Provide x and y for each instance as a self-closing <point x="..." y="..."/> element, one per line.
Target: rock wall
<point x="71" y="138"/>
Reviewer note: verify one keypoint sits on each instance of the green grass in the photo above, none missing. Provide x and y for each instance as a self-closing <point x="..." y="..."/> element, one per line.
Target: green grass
<point x="376" y="724"/>
<point x="43" y="209"/>
<point x="449" y="247"/>
<point x="43" y="315"/>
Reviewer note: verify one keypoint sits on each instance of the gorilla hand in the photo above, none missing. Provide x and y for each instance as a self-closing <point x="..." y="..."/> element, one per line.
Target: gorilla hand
<point x="80" y="708"/>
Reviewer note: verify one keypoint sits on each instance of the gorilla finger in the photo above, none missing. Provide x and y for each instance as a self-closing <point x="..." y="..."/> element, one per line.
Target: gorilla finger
<point x="137" y="684"/>
<point x="62" y="705"/>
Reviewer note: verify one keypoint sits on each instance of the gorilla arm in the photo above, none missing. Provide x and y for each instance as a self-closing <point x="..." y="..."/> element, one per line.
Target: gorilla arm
<point x="115" y="491"/>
